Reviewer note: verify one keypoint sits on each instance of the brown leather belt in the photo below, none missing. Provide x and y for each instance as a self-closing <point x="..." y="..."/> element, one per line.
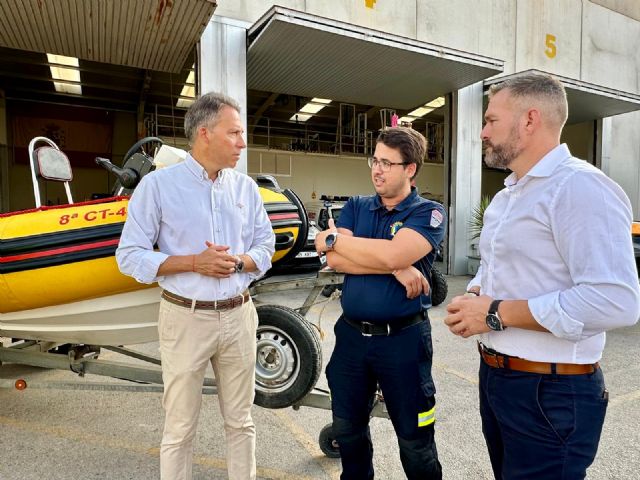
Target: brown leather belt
<point x="227" y="304"/>
<point x="498" y="360"/>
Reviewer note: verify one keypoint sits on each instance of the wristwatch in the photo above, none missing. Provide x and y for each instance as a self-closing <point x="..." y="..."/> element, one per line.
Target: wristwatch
<point x="330" y="240"/>
<point x="239" y="265"/>
<point x="494" y="322"/>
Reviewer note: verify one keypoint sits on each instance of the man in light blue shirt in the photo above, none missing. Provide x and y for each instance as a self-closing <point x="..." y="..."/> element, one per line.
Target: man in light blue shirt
<point x="199" y="229"/>
<point x="557" y="272"/>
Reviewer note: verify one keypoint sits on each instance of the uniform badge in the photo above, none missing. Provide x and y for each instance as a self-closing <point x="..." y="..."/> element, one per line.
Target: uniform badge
<point x="436" y="218"/>
<point x="394" y="228"/>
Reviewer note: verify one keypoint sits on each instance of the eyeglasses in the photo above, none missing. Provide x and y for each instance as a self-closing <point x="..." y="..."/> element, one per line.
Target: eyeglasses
<point x="385" y="165"/>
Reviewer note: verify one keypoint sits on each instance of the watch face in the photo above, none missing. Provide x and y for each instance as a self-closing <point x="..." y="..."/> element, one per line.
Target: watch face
<point x="493" y="322"/>
<point x="330" y="240"/>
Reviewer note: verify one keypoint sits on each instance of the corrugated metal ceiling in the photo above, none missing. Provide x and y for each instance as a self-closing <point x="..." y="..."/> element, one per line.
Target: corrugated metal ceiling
<point x="310" y="56"/>
<point x="588" y="101"/>
<point x="149" y="34"/>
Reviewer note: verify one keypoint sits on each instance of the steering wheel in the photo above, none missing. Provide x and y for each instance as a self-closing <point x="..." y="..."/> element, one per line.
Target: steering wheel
<point x="147" y="145"/>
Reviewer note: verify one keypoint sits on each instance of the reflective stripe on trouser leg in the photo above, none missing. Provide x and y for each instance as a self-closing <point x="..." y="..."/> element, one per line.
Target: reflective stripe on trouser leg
<point x="427" y="418"/>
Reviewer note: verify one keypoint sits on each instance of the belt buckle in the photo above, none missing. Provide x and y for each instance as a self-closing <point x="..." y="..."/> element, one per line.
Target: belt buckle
<point x="366" y="326"/>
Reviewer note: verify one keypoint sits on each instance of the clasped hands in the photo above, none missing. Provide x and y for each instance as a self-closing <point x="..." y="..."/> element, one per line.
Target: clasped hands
<point x="215" y="261"/>
<point x="467" y="314"/>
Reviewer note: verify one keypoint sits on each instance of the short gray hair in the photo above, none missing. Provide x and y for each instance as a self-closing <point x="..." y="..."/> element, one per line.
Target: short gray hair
<point x="533" y="87"/>
<point x="205" y="111"/>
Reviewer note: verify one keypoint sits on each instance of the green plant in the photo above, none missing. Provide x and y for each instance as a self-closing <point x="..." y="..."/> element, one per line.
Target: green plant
<point x="477" y="217"/>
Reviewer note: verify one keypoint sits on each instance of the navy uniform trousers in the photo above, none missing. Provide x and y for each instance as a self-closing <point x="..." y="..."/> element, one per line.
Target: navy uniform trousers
<point x="541" y="427"/>
<point x="401" y="365"/>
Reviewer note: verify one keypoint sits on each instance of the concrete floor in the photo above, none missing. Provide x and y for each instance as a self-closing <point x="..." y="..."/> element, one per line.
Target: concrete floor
<point x="57" y="434"/>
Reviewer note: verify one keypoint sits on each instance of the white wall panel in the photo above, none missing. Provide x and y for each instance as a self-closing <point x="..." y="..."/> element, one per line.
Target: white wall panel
<point x="487" y="29"/>
<point x="610" y="49"/>
<point x="394" y="16"/>
<point x="624" y="156"/>
<point x="548" y="36"/>
<point x="252" y="10"/>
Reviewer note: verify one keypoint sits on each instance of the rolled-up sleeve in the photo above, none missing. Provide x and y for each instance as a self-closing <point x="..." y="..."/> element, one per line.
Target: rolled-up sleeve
<point x="135" y="253"/>
<point x="264" y="240"/>
<point x="591" y="221"/>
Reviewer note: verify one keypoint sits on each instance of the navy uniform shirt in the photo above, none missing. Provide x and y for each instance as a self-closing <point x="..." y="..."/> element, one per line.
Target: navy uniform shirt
<point x="381" y="298"/>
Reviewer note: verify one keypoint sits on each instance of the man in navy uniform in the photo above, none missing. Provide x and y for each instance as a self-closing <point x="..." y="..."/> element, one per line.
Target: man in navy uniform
<point x="385" y="243"/>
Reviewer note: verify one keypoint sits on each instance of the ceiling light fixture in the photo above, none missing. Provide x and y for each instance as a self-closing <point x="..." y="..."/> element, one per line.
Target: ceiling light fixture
<point x="70" y="76"/>
<point x="310" y="109"/>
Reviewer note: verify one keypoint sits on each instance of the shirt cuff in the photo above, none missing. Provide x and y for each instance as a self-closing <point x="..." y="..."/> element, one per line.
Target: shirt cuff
<point x="547" y="312"/>
<point x="147" y="269"/>
<point x="261" y="264"/>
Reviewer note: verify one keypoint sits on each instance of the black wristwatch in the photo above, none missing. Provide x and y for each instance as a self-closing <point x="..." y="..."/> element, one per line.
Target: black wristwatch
<point x="330" y="240"/>
<point x="494" y="322"/>
<point x="239" y="266"/>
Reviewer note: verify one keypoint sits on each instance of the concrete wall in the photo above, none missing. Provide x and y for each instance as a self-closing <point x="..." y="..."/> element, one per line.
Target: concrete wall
<point x="334" y="175"/>
<point x="625" y="156"/>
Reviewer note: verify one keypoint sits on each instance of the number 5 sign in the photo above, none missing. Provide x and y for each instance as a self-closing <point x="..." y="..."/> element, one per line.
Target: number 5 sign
<point x="550" y="43"/>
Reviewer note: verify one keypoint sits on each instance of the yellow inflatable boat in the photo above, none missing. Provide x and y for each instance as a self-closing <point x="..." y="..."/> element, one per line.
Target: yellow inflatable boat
<point x="59" y="280"/>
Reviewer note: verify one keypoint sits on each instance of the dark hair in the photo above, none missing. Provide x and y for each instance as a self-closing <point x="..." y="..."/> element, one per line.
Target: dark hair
<point x="411" y="144"/>
<point x="205" y="111"/>
<point x="545" y="90"/>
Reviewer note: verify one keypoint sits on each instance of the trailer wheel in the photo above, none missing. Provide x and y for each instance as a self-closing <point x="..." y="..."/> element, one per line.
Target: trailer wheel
<point x="289" y="357"/>
<point x="328" y="443"/>
<point x="439" y="288"/>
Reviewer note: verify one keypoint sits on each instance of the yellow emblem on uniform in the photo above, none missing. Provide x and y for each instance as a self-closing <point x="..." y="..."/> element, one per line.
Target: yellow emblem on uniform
<point x="394" y="228"/>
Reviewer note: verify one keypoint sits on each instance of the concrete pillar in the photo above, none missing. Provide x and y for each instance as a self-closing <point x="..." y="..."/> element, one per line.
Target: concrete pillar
<point x="4" y="155"/>
<point x="466" y="171"/>
<point x="603" y="144"/>
<point x="223" y="64"/>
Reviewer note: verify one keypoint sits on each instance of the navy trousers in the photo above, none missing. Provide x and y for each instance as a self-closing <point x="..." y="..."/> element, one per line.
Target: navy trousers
<point x="542" y="427"/>
<point x="401" y="365"/>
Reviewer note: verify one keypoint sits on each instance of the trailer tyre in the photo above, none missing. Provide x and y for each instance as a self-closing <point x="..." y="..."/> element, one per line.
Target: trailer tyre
<point x="289" y="357"/>
<point x="328" y="443"/>
<point x="439" y="288"/>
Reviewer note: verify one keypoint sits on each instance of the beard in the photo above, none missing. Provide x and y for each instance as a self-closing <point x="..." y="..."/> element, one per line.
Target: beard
<point x="501" y="156"/>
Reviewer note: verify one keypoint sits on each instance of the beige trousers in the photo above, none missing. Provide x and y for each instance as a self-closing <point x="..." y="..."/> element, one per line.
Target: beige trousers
<point x="188" y="342"/>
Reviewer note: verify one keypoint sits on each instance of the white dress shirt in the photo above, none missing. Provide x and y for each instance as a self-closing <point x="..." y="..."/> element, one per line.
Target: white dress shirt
<point x="177" y="209"/>
<point x="560" y="237"/>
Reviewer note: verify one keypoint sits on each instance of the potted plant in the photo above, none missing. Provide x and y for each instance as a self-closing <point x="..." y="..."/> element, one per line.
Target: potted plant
<point x="476" y="221"/>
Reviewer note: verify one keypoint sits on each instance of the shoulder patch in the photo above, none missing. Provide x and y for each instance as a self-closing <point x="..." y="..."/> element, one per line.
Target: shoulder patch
<point x="436" y="218"/>
<point x="394" y="228"/>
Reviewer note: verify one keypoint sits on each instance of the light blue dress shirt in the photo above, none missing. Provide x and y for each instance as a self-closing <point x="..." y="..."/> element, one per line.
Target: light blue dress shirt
<point x="178" y="208"/>
<point x="560" y="237"/>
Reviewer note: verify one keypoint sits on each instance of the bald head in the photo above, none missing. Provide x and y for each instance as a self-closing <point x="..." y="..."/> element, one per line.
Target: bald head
<point x="540" y="91"/>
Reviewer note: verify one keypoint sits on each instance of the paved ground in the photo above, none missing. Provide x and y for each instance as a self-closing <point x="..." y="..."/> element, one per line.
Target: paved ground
<point x="114" y="435"/>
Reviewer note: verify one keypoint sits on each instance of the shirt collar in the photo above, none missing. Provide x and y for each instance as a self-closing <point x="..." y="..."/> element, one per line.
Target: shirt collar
<point x="545" y="166"/>
<point x="404" y="204"/>
<point x="198" y="170"/>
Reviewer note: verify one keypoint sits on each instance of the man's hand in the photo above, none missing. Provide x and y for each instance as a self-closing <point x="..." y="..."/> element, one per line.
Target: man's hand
<point x="467" y="315"/>
<point x="321" y="245"/>
<point x="413" y="281"/>
<point x="215" y="261"/>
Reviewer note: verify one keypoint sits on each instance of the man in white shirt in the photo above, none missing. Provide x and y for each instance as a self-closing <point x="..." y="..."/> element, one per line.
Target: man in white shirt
<point x="557" y="271"/>
<point x="199" y="228"/>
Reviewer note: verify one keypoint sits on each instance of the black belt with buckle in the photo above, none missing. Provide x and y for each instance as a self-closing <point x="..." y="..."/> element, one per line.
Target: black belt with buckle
<point x="368" y="329"/>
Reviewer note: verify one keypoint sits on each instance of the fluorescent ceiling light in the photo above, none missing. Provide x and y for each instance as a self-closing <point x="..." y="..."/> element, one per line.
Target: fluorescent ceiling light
<point x="301" y="117"/>
<point x="429" y="107"/>
<point x="310" y="109"/>
<point x="70" y="76"/>
<point x="188" y="93"/>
